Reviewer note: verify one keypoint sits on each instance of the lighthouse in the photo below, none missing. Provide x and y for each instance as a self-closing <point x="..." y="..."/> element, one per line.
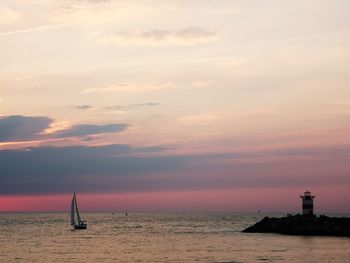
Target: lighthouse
<point x="308" y="203"/>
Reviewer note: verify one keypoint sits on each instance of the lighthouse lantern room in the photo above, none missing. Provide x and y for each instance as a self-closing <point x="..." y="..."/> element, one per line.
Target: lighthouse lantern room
<point x="308" y="203"/>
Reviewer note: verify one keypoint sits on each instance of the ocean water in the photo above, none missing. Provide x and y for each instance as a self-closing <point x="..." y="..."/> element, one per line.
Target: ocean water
<point x="157" y="237"/>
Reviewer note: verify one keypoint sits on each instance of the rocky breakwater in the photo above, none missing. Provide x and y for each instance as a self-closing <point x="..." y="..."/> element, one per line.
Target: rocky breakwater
<point x="303" y="225"/>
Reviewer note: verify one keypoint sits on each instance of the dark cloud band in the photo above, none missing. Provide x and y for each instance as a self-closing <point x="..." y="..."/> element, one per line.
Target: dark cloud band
<point x="89" y="129"/>
<point x="122" y="168"/>
<point x="22" y="128"/>
<point x="18" y="128"/>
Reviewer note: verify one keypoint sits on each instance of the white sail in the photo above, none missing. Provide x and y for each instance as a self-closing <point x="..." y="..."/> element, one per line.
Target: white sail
<point x="72" y="221"/>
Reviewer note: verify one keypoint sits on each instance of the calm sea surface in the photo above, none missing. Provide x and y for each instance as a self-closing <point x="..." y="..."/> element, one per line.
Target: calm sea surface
<point x="157" y="237"/>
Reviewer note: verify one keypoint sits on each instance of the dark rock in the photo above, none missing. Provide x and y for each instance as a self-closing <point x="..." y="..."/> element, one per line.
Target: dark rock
<point x="303" y="225"/>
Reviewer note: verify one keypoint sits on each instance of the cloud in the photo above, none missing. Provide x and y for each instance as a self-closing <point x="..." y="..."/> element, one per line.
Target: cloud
<point x="122" y="168"/>
<point x="129" y="87"/>
<point x="18" y="128"/>
<point x="132" y="106"/>
<point x="22" y="128"/>
<point x="91" y="13"/>
<point x="8" y="16"/>
<point x="89" y="129"/>
<point x="118" y="107"/>
<point x="68" y="3"/>
<point x="53" y="169"/>
<point x="83" y="107"/>
<point x="33" y="29"/>
<point x="159" y="37"/>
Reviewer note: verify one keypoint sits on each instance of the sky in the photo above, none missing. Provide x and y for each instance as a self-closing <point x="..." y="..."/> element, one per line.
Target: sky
<point x="173" y="105"/>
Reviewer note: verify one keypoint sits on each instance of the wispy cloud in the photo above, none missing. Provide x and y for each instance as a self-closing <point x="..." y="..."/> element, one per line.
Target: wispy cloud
<point x="229" y="61"/>
<point x="89" y="129"/>
<point x="32" y="29"/>
<point x="116" y="107"/>
<point x="90" y="12"/>
<point x="132" y="106"/>
<point x="83" y="107"/>
<point x="70" y="3"/>
<point x="158" y="37"/>
<point x="130" y="87"/>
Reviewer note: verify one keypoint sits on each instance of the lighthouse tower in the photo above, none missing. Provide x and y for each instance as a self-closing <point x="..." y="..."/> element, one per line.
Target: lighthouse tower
<point x="308" y="203"/>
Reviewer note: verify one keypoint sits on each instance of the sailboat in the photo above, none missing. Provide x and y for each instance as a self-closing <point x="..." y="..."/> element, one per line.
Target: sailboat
<point x="80" y="224"/>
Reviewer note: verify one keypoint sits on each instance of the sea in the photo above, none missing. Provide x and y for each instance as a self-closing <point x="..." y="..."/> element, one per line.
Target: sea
<point x="158" y="237"/>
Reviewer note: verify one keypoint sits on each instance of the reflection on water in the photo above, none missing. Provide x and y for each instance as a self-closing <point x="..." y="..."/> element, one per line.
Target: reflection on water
<point x="157" y="237"/>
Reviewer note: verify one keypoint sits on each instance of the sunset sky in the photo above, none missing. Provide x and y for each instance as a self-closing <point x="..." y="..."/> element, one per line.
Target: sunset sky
<point x="147" y="105"/>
